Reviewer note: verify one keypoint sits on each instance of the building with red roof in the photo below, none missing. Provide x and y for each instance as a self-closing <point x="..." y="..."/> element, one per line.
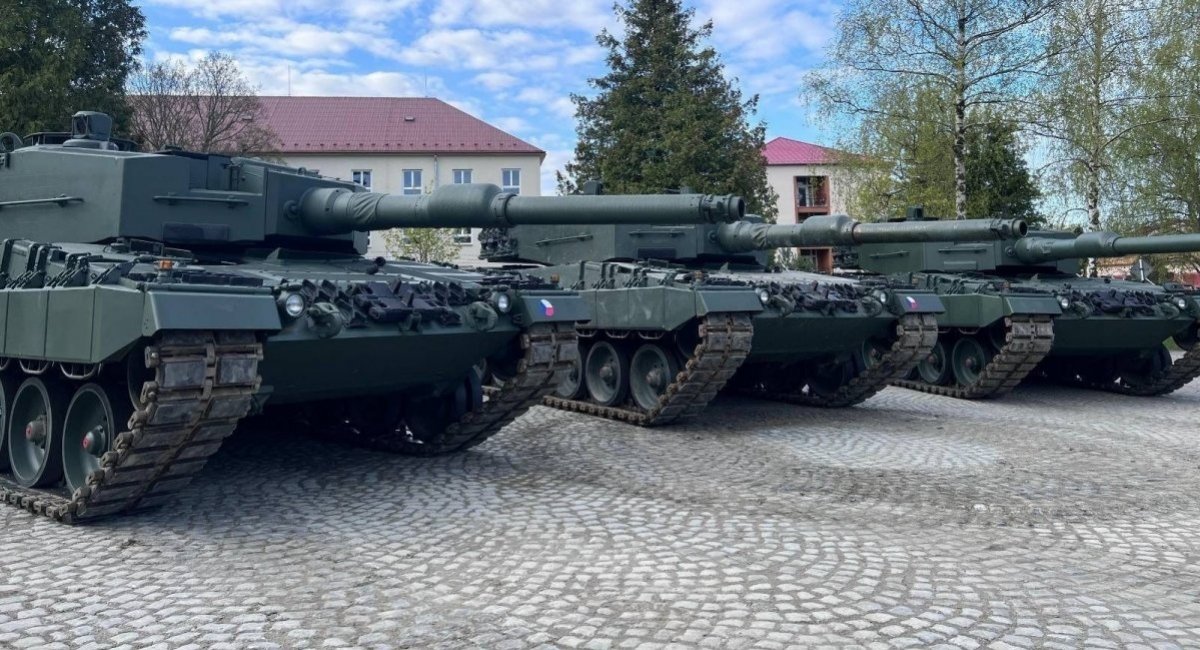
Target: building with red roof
<point x="809" y="182"/>
<point x="404" y="145"/>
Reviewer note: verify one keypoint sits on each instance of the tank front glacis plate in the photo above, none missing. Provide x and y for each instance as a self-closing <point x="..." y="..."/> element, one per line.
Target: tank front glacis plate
<point x="975" y="301"/>
<point x="360" y="327"/>
<point x="626" y="296"/>
<point x="1104" y="316"/>
<point x="810" y="315"/>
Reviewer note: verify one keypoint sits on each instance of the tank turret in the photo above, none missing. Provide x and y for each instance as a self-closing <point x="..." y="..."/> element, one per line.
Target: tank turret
<point x="335" y="210"/>
<point x="740" y="242"/>
<point x="209" y="201"/>
<point x="1020" y="307"/>
<point x="841" y="230"/>
<point x="1040" y="251"/>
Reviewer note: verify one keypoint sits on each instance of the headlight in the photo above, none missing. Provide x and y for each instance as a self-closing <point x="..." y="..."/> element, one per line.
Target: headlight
<point x="292" y="304"/>
<point x="881" y="296"/>
<point x="1181" y="303"/>
<point x="1064" y="302"/>
<point x="503" y="302"/>
<point x="764" y="296"/>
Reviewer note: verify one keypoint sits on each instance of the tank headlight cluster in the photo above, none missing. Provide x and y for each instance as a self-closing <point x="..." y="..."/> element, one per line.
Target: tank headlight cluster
<point x="881" y="296"/>
<point x="502" y="302"/>
<point x="764" y="296"/>
<point x="1064" y="302"/>
<point x="292" y="304"/>
<point x="1181" y="302"/>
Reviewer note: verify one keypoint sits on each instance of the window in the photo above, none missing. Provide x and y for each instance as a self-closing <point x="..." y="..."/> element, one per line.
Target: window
<point x="811" y="192"/>
<point x="412" y="181"/>
<point x="510" y="180"/>
<point x="462" y="176"/>
<point x="462" y="235"/>
<point x="362" y="177"/>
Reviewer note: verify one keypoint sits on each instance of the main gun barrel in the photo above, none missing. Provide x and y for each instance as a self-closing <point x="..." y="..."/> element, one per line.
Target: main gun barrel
<point x="1035" y="250"/>
<point x="335" y="210"/>
<point x="841" y="230"/>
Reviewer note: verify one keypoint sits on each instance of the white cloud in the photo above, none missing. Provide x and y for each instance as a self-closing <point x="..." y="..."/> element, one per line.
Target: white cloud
<point x="372" y="84"/>
<point x="556" y="161"/>
<point x="563" y="107"/>
<point x="497" y="51"/>
<point x="535" y="95"/>
<point x="768" y="30"/>
<point x="495" y="80"/>
<point x="296" y="40"/>
<point x="585" y="15"/>
<point x="510" y="124"/>
<point x="272" y="76"/>
<point x="371" y="10"/>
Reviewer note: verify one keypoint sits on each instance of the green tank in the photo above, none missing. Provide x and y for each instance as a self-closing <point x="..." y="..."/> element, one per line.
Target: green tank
<point x="1019" y="307"/>
<point x="150" y="301"/>
<point x="679" y="312"/>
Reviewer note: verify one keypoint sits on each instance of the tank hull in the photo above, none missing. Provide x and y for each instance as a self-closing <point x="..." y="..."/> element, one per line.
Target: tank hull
<point x="799" y="337"/>
<point x="168" y="351"/>
<point x="1099" y="333"/>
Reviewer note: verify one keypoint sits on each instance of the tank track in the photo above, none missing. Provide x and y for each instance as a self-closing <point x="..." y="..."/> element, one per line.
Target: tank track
<point x="915" y="336"/>
<point x="204" y="383"/>
<point x="1177" y="376"/>
<point x="549" y="349"/>
<point x="723" y="346"/>
<point x="1027" y="340"/>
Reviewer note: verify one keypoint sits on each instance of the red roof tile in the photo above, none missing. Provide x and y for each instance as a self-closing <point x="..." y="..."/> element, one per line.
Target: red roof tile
<point x="786" y="151"/>
<point x="383" y="125"/>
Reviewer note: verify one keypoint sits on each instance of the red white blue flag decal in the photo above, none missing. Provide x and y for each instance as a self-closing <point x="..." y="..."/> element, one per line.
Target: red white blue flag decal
<point x="547" y="308"/>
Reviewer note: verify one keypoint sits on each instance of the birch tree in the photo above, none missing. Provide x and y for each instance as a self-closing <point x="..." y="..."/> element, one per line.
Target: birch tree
<point x="1162" y="163"/>
<point x="978" y="53"/>
<point x="1089" y="104"/>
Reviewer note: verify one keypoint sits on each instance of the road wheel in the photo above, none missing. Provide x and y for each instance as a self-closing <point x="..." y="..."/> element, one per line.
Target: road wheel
<point x="35" y="432"/>
<point x="935" y="367"/>
<point x="1145" y="367"/>
<point x="96" y="415"/>
<point x="606" y="374"/>
<point x="650" y="373"/>
<point x="1189" y="338"/>
<point x="968" y="359"/>
<point x="873" y="351"/>
<point x="571" y="386"/>
<point x="429" y="417"/>
<point x="826" y="378"/>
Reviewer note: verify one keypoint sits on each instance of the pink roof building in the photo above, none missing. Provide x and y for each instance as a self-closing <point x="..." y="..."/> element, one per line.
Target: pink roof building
<point x="786" y="151"/>
<point x="809" y="183"/>
<point x="403" y="145"/>
<point x="383" y="125"/>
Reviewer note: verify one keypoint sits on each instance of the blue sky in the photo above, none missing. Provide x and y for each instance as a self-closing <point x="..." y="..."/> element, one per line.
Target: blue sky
<point x="513" y="63"/>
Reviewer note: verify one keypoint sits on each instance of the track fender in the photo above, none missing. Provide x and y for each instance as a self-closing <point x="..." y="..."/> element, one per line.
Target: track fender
<point x="208" y="310"/>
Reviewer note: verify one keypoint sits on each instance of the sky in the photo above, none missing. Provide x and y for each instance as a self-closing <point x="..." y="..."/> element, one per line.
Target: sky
<point x="513" y="63"/>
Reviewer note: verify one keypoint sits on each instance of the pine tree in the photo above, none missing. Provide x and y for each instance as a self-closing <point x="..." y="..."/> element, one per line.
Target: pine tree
<point x="665" y="116"/>
<point x="62" y="56"/>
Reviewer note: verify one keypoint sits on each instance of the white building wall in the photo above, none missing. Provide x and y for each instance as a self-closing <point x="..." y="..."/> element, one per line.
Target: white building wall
<point x="387" y="175"/>
<point x="781" y="178"/>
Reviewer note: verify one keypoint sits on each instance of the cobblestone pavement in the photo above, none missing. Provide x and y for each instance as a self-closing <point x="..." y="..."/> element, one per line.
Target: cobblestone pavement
<point x="1054" y="518"/>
